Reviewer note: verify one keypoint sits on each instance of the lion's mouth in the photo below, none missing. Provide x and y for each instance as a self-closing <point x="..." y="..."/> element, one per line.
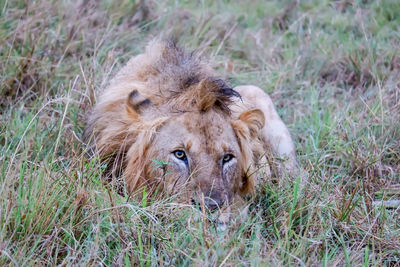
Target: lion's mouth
<point x="219" y="215"/>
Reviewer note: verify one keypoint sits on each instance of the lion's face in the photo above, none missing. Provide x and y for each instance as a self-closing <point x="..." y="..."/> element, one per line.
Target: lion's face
<point x="201" y="155"/>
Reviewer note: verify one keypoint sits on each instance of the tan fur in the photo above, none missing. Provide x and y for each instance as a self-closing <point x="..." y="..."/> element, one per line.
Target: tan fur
<point x="165" y="101"/>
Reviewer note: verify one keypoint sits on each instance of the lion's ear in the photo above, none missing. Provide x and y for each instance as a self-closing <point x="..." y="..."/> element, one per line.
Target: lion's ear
<point x="255" y="121"/>
<point x="136" y="103"/>
<point x="247" y="128"/>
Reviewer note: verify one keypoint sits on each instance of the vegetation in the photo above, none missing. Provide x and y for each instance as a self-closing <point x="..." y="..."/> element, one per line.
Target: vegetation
<point x="331" y="67"/>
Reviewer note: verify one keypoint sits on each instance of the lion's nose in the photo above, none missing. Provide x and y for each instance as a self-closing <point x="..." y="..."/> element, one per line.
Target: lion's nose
<point x="213" y="204"/>
<point x="210" y="203"/>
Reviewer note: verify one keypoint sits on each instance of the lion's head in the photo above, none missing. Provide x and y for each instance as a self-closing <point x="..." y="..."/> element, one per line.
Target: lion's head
<point x="171" y="122"/>
<point x="198" y="149"/>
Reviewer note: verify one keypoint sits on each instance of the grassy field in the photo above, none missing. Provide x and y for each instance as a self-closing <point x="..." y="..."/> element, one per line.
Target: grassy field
<point x="331" y="67"/>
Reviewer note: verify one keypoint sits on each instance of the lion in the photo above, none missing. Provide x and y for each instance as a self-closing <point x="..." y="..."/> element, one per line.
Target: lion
<point x="167" y="122"/>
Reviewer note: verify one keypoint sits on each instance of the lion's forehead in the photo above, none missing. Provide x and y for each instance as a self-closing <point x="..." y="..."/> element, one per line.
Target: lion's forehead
<point x="212" y="133"/>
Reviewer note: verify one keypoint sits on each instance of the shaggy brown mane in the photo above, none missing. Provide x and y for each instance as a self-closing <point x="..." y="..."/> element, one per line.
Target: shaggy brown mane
<point x="179" y="74"/>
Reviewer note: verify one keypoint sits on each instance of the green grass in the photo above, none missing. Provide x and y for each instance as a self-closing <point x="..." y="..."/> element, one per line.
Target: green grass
<point x="332" y="69"/>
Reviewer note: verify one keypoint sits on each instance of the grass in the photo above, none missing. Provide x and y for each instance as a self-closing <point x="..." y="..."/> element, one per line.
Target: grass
<point x="331" y="67"/>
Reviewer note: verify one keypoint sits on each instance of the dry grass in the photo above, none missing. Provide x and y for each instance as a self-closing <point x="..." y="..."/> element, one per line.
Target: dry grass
<point x="332" y="68"/>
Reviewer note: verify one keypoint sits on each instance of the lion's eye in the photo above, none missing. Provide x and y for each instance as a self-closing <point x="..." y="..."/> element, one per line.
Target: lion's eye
<point x="179" y="154"/>
<point x="227" y="158"/>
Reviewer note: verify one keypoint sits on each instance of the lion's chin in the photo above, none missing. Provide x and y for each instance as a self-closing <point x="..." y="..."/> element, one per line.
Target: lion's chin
<point x="230" y="216"/>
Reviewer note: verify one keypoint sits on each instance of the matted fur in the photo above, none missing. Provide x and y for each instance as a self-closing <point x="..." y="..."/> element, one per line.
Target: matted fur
<point x="166" y="95"/>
